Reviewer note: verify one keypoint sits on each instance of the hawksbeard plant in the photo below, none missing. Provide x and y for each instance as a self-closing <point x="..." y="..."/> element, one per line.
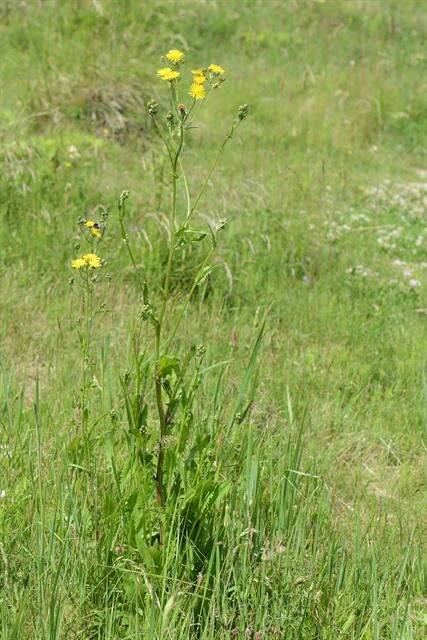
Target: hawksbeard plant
<point x="86" y="266"/>
<point x="160" y="388"/>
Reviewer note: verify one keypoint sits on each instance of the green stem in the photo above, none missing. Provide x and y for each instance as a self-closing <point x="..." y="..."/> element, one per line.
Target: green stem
<point x="187" y="301"/>
<point x="125" y="239"/>
<point x="166" y="285"/>
<point x="162" y="431"/>
<point x="200" y="104"/>
<point x="187" y="190"/>
<point x="160" y="493"/>
<point x="213" y="167"/>
<point x="86" y="342"/>
<point x="163" y="139"/>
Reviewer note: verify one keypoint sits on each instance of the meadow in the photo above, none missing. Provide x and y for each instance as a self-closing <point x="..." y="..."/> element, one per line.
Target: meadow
<point x="273" y="360"/>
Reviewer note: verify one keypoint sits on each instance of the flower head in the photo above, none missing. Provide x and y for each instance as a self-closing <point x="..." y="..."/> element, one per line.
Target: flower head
<point x="197" y="91"/>
<point x="88" y="260"/>
<point x="175" y="56"/>
<point x="92" y="260"/>
<point x="168" y="74"/>
<point x="216" y="69"/>
<point x="199" y="76"/>
<point x="94" y="228"/>
<point x="78" y="263"/>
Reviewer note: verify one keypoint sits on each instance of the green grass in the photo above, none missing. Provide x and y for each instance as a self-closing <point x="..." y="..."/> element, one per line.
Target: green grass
<point x="302" y="519"/>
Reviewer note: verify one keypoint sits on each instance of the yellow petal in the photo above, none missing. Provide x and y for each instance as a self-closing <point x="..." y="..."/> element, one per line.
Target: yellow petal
<point x="78" y="263"/>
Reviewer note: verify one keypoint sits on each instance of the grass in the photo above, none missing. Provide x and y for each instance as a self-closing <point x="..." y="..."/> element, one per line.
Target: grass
<point x="301" y="518"/>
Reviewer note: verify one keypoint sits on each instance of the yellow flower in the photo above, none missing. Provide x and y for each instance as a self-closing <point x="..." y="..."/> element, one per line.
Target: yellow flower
<point x="92" y="260"/>
<point x="94" y="228"/>
<point x="88" y="260"/>
<point x="197" y="91"/>
<point x="78" y="263"/>
<point x="199" y="76"/>
<point x="175" y="56"/>
<point x="168" y="74"/>
<point x="216" y="69"/>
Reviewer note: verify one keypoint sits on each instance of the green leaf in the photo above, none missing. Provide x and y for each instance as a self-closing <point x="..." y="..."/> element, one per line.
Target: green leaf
<point x="203" y="274"/>
<point x="166" y="365"/>
<point x="189" y="236"/>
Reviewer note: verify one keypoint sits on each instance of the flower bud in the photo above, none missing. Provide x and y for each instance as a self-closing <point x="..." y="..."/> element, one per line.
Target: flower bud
<point x="170" y="118"/>
<point x="152" y="108"/>
<point x="123" y="197"/>
<point x="242" y="112"/>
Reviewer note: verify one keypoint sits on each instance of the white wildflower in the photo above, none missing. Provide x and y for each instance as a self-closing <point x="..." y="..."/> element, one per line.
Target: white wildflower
<point x="414" y="283"/>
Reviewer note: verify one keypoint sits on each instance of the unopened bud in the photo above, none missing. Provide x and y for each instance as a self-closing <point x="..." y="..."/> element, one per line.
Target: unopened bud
<point x="123" y="197"/>
<point x="170" y="118"/>
<point x="201" y="350"/>
<point x="218" y="82"/>
<point x="243" y="111"/>
<point x="152" y="108"/>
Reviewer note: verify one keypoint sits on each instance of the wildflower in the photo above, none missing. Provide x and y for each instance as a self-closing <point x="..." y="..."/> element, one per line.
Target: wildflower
<point x="168" y="74"/>
<point x="414" y="283"/>
<point x="216" y="69"/>
<point x="199" y="76"/>
<point x="78" y="263"/>
<point x="197" y="91"/>
<point x="94" y="228"/>
<point x="88" y="260"/>
<point x="73" y="152"/>
<point x="175" y="56"/>
<point x="92" y="260"/>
